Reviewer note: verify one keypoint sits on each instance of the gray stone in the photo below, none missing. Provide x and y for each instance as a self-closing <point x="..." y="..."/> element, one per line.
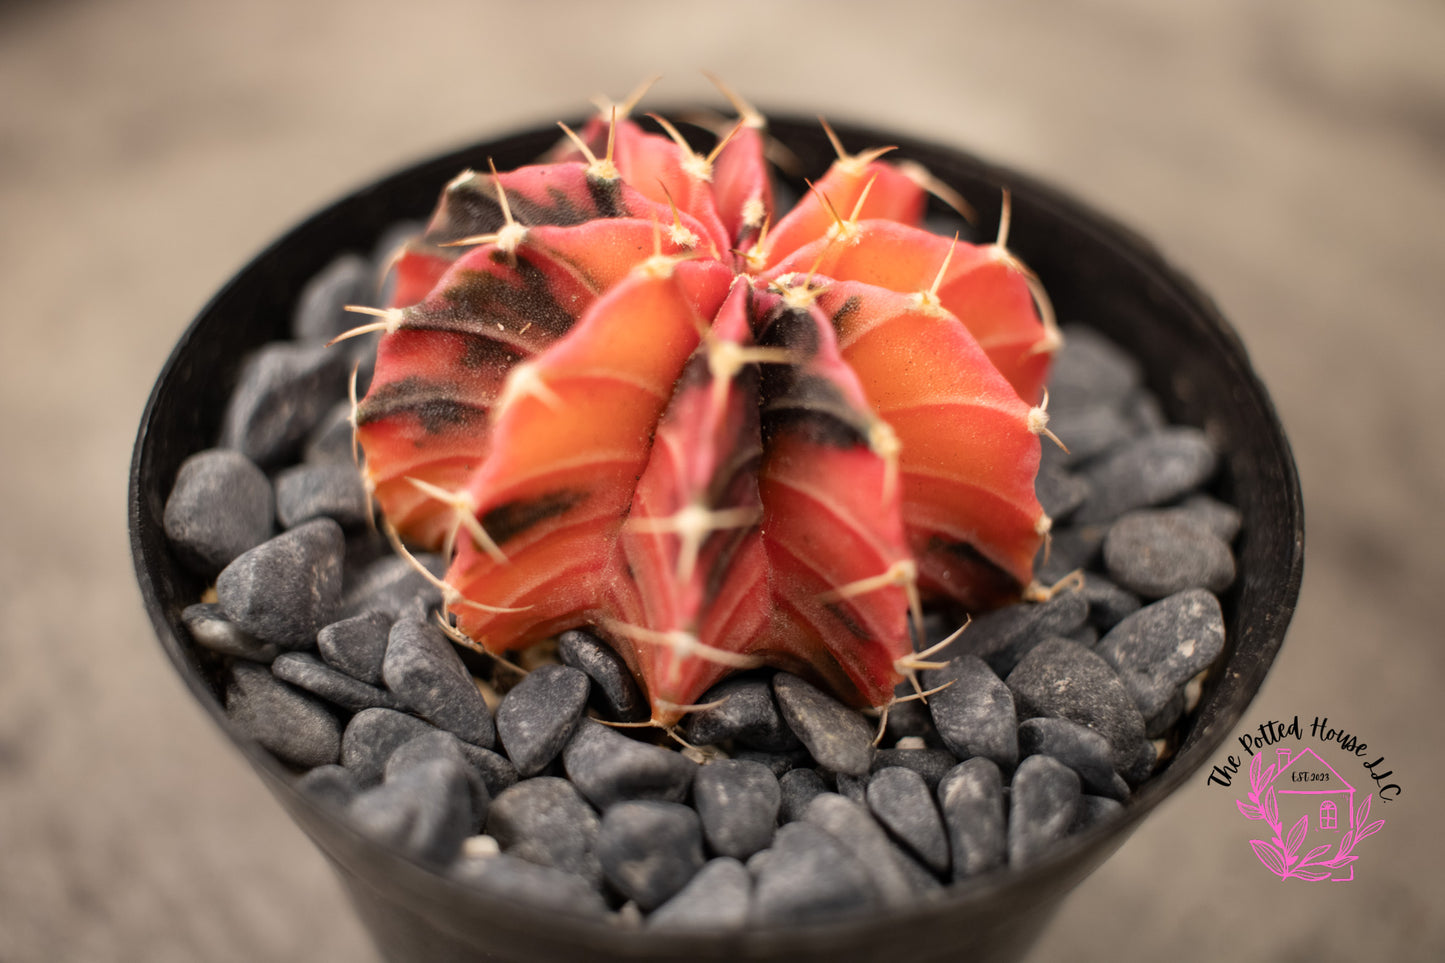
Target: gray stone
<point x="1070" y="547"/>
<point x="518" y="880"/>
<point x="1108" y="603"/>
<point x="332" y="491"/>
<point x="798" y="788"/>
<point x="1002" y="637"/>
<point x="1094" y="811"/>
<point x="971" y="801"/>
<point x="293" y="726"/>
<point x="1059" y="492"/>
<point x="305" y="671"/>
<point x="1088" y="430"/>
<point x="609" y="768"/>
<point x="330" y="441"/>
<point x="738" y="803"/>
<point x="975" y="714"/>
<point x="614" y="692"/>
<point x="903" y="804"/>
<point x="649" y="850"/>
<point x="836" y="736"/>
<point x="1162" y="646"/>
<point x="443" y="745"/>
<point x="220" y="506"/>
<point x="356" y="645"/>
<point x="1151" y="470"/>
<point x="1062" y="679"/>
<point x="1090" y="369"/>
<point x="331" y="785"/>
<point x="745" y="712"/>
<point x="1078" y="747"/>
<point x="210" y="628"/>
<point x="854" y="788"/>
<point x="808" y="876"/>
<point x="1222" y="519"/>
<point x="716" y="898"/>
<point x="1043" y="804"/>
<point x="777" y="762"/>
<point x="373" y="735"/>
<point x="931" y="764"/>
<point x="393" y="587"/>
<point x="320" y="312"/>
<point x="536" y="718"/>
<point x="1158" y="553"/>
<point x="285" y="589"/>
<point x="428" y="676"/>
<point x="283" y="390"/>
<point x="546" y="821"/>
<point x="854" y="828"/>
<point x="424" y="811"/>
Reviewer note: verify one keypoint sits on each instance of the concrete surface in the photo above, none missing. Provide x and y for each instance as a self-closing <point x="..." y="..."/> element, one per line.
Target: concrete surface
<point x="1289" y="154"/>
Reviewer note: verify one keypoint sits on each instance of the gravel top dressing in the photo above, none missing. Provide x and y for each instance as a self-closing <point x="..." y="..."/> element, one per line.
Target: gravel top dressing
<point x="537" y="776"/>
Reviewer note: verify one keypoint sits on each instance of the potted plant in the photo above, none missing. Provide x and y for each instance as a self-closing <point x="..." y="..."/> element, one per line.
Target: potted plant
<point x="1093" y="269"/>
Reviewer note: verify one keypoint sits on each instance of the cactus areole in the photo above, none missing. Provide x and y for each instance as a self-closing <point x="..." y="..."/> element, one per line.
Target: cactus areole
<point x="618" y="389"/>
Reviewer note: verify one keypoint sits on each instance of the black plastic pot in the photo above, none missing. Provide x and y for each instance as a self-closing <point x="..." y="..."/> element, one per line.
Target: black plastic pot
<point x="1095" y="271"/>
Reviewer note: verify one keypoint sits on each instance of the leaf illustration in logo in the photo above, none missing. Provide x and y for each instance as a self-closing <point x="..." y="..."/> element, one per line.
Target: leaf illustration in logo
<point x="1269" y="855"/>
<point x="1313" y="875"/>
<point x="1315" y="853"/>
<point x="1271" y="806"/>
<point x="1295" y="838"/>
<point x="1249" y="812"/>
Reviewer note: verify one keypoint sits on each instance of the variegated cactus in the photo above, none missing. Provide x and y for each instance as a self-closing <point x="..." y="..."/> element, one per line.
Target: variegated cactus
<point x="619" y="390"/>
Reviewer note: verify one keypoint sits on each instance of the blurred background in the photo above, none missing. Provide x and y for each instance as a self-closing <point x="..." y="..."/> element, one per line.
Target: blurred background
<point x="1289" y="154"/>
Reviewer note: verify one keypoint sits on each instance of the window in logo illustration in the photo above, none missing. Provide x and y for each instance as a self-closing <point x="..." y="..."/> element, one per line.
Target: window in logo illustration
<point x="1326" y="822"/>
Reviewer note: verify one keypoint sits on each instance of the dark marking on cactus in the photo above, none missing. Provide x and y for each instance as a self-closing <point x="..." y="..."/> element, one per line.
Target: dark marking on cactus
<point x="511" y="519"/>
<point x="478" y="301"/>
<point x="607" y="195"/>
<point x="845" y="311"/>
<point x="810" y="406"/>
<point x="484" y="352"/>
<point x="840" y="612"/>
<point x="430" y="402"/>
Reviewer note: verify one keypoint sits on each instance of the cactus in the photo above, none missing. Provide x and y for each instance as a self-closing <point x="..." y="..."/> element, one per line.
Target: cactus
<point x="619" y="390"/>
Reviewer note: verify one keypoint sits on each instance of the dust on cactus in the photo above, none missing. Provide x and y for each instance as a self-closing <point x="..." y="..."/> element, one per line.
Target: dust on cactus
<point x="618" y="389"/>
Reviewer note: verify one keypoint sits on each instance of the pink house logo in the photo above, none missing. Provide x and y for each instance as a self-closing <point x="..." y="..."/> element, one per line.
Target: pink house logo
<point x="1302" y="791"/>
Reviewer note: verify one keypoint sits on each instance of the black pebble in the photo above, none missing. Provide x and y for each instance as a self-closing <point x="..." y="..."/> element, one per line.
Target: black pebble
<point x="931" y="764"/>
<point x="1091" y="370"/>
<point x="1059" y="491"/>
<point x="738" y="803"/>
<point x="393" y="587"/>
<point x="1002" y="637"/>
<point x="1078" y="747"/>
<point x="1162" y="646"/>
<point x="608" y="768"/>
<point x="1158" y="553"/>
<point x="798" y="787"/>
<point x="1062" y="679"/>
<point x="285" y="589"/>
<point x="321" y="313"/>
<point x="971" y="801"/>
<point x="283" y="391"/>
<point x="427" y="675"/>
<point x="220" y="506"/>
<point x="546" y="821"/>
<point x="1151" y="470"/>
<point x="331" y="785"/>
<point x="975" y="714"/>
<point x="536" y="718"/>
<point x="305" y="671"/>
<point x="330" y="441"/>
<point x="550" y="890"/>
<point x="649" y="850"/>
<point x="291" y="725"/>
<point x="356" y="645"/>
<point x="745" y="712"/>
<point x="716" y="898"/>
<point x="425" y="811"/>
<point x="614" y="692"/>
<point x="1108" y="603"/>
<point x="903" y="803"/>
<point x="312" y="491"/>
<point x="836" y="736"/>
<point x="373" y="735"/>
<point x="209" y="626"/>
<point x="443" y="745"/>
<point x="854" y="827"/>
<point x="808" y="876"/>
<point x="1043" y="803"/>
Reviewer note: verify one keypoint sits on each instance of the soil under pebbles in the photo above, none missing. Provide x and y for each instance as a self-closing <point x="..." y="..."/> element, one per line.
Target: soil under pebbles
<point x="782" y="809"/>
